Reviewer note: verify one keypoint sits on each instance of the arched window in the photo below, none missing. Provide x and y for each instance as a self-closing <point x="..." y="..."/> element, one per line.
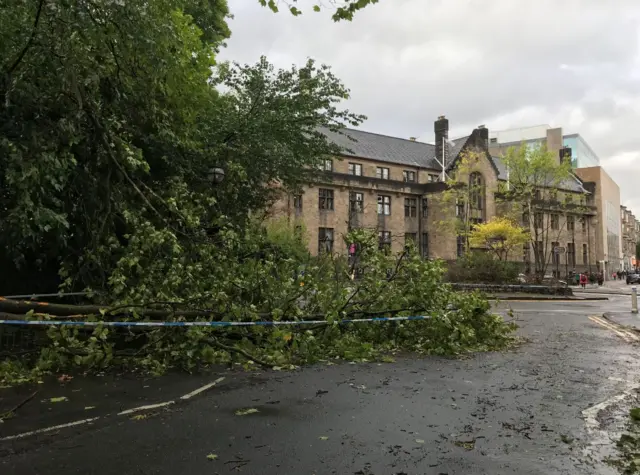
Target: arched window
<point x="477" y="192"/>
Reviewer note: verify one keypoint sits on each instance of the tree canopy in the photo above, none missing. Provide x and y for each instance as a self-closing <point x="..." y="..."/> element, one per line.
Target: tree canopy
<point x="499" y="235"/>
<point x="343" y="9"/>
<point x="112" y="116"/>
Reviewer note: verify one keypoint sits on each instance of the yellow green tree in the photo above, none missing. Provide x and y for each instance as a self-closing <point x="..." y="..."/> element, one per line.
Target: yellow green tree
<point x="500" y="235"/>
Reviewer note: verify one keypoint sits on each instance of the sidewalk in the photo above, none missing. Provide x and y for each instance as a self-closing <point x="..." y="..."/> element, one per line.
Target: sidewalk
<point x="610" y="287"/>
<point x="627" y="318"/>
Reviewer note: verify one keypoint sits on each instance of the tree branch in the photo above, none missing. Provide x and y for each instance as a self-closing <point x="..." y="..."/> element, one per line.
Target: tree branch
<point x="29" y="41"/>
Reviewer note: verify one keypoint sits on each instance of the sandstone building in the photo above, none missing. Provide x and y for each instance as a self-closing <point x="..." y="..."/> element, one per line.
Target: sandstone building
<point x="395" y="186"/>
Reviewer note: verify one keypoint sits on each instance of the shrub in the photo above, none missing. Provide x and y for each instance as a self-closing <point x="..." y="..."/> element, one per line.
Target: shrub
<point x="482" y="268"/>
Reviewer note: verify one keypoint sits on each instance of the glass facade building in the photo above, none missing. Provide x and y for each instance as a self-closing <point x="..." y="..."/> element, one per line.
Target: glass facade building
<point x="581" y="154"/>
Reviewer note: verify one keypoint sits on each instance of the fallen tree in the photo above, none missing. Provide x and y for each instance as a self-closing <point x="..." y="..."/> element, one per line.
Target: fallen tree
<point x="272" y="289"/>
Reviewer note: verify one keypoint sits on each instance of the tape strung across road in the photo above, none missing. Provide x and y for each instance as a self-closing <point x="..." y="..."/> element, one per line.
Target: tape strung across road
<point x="207" y="324"/>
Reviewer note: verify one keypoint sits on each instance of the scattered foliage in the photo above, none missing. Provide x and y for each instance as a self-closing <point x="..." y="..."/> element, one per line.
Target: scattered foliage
<point x="481" y="268"/>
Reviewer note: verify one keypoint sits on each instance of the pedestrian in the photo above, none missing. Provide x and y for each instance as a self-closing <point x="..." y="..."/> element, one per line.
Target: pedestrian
<point x="583" y="280"/>
<point x="600" y="279"/>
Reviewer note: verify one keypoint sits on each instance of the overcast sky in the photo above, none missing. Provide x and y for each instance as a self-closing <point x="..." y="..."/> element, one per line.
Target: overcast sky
<point x="573" y="64"/>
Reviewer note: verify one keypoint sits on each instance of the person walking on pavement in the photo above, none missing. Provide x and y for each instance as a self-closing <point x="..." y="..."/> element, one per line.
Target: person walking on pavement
<point x="600" y="279"/>
<point x="583" y="280"/>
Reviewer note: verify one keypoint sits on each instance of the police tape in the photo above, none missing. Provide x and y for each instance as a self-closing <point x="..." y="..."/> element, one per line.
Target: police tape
<point x="75" y="323"/>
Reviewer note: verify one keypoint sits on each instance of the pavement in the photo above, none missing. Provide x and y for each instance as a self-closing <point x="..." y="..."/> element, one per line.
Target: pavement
<point x="551" y="406"/>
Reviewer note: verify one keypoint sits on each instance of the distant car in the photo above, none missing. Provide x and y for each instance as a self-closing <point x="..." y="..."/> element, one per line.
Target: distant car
<point x="633" y="278"/>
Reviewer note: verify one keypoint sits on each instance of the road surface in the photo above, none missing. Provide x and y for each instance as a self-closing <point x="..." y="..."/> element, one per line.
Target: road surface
<point x="548" y="407"/>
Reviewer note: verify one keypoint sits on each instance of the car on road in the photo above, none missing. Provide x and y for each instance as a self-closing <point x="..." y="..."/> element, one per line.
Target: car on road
<point x="633" y="278"/>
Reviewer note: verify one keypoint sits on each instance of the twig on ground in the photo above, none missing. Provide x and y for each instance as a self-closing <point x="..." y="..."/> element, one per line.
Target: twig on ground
<point x="233" y="349"/>
<point x="18" y="406"/>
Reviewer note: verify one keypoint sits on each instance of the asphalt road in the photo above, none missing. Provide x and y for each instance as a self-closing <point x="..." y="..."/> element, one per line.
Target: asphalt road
<point x="520" y="412"/>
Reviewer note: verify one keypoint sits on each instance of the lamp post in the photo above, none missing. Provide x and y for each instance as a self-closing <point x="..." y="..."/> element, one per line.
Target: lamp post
<point x="215" y="175"/>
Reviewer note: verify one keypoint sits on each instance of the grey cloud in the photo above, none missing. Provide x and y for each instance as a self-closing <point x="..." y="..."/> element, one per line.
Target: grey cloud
<point x="503" y="62"/>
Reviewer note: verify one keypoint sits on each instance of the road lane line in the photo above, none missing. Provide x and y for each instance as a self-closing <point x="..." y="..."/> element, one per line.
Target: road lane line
<point x="49" y="429"/>
<point x="631" y="336"/>
<point x="609" y="327"/>
<point x="591" y="413"/>
<point x="202" y="389"/>
<point x="146" y="408"/>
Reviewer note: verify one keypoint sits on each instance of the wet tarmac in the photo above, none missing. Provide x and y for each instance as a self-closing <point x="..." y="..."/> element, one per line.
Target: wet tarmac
<point x="518" y="412"/>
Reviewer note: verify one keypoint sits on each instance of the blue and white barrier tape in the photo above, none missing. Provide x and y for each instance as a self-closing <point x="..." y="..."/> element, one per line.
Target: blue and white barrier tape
<point x="206" y="324"/>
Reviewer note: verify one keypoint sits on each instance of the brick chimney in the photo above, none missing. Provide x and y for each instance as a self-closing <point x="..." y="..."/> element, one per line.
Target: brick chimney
<point x="441" y="129"/>
<point x="483" y="136"/>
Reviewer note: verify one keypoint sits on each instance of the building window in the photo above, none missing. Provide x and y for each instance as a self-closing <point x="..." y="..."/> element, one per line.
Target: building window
<point x="384" y="240"/>
<point x="571" y="254"/>
<point x="409" y="176"/>
<point x="476" y="191"/>
<point x="356" y="202"/>
<point x="526" y="252"/>
<point x="460" y="245"/>
<point x="555" y="256"/>
<point x="585" y="254"/>
<point x="537" y="195"/>
<point x="459" y="208"/>
<point x="355" y="169"/>
<point x="425" y="208"/>
<point x="327" y="165"/>
<point x="537" y="220"/>
<point x="584" y="224"/>
<point x="555" y="221"/>
<point x="410" y="207"/>
<point x="433" y="178"/>
<point x="297" y="201"/>
<point x="325" y="240"/>
<point x="525" y="220"/>
<point x="425" y="245"/>
<point x="382" y="172"/>
<point x="493" y="140"/>
<point x="326" y="199"/>
<point x="571" y="223"/>
<point x="384" y="205"/>
<point x="568" y="199"/>
<point x="410" y="239"/>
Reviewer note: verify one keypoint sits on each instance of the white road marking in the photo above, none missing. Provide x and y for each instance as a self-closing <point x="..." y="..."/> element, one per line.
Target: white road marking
<point x="49" y="429"/>
<point x="202" y="389"/>
<point x="146" y="408"/>
<point x="591" y="413"/>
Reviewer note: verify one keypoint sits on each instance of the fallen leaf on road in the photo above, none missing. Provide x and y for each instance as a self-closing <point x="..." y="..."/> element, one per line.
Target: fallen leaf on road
<point x="420" y="441"/>
<point x="212" y="457"/>
<point x="139" y="417"/>
<point x="64" y="378"/>
<point x="245" y="412"/>
<point x="88" y="408"/>
<point x="59" y="399"/>
<point x="323" y="437"/>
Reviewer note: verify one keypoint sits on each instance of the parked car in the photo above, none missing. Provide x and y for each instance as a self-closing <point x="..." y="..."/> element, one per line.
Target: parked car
<point x="633" y="278"/>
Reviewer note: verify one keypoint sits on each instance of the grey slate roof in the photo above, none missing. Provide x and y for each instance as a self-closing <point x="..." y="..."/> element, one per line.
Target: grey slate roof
<point x="390" y="149"/>
<point x="358" y="143"/>
<point x="572" y="184"/>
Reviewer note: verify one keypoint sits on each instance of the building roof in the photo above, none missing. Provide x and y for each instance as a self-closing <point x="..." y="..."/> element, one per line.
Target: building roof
<point x="571" y="184"/>
<point x="384" y="148"/>
<point x="358" y="143"/>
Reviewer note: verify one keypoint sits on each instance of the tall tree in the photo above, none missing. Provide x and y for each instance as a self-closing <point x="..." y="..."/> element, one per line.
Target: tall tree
<point x="111" y="121"/>
<point x="532" y="196"/>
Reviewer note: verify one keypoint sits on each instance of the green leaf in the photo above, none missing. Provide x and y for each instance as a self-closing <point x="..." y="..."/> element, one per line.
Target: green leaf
<point x="212" y="457"/>
<point x="316" y="8"/>
<point x="58" y="399"/>
<point x="323" y="437"/>
<point x="245" y="412"/>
